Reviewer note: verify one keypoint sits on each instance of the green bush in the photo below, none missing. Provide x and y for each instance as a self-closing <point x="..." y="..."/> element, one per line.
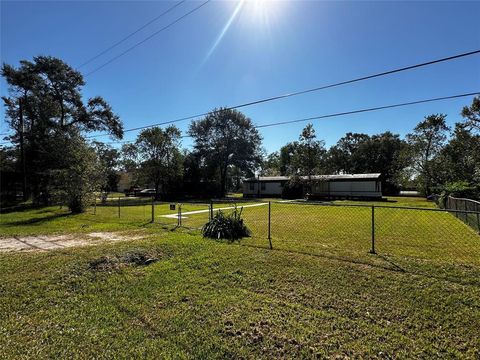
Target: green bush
<point x="222" y="226"/>
<point x="458" y="189"/>
<point x="462" y="189"/>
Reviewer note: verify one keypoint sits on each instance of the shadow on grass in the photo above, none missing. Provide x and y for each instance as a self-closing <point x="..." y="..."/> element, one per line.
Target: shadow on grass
<point x="19" y="208"/>
<point x="35" y="221"/>
<point x="389" y="265"/>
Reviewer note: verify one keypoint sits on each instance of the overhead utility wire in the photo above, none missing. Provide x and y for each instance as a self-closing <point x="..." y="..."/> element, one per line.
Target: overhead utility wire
<point x="389" y="72"/>
<point x="358" y="111"/>
<point x="148" y="38"/>
<point x="131" y="34"/>
<point x="368" y="110"/>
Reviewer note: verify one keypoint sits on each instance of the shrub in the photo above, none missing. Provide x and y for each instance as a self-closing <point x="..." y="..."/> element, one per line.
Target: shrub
<point x="458" y="189"/>
<point x="222" y="226"/>
<point x="461" y="189"/>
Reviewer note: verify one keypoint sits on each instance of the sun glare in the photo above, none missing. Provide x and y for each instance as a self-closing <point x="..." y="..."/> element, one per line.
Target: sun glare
<point x="261" y="11"/>
<point x="253" y="15"/>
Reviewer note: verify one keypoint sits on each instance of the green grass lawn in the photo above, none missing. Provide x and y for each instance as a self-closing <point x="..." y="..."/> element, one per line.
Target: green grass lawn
<point x="208" y="299"/>
<point x="394" y="201"/>
<point x="319" y="293"/>
<point x="407" y="238"/>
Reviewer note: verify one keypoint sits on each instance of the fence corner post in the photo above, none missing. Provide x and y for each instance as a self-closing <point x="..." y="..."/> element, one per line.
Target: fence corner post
<point x="372" y="250"/>
<point x="269" y="224"/>
<point x="119" y="206"/>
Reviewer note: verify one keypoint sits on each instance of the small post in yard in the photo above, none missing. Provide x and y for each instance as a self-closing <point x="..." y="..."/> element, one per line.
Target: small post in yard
<point x="211" y="209"/>
<point x="153" y="209"/>
<point x="95" y="205"/>
<point x="119" y="206"/>
<point x="179" y="220"/>
<point x="372" y="250"/>
<point x="478" y="221"/>
<point x="269" y="224"/>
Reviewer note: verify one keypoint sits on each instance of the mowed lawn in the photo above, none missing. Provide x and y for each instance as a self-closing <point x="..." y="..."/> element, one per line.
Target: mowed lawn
<point x="209" y="299"/>
<point x="318" y="293"/>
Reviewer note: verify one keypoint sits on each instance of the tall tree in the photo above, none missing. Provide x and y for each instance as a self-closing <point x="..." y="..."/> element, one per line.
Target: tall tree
<point x="271" y="164"/>
<point x="382" y="153"/>
<point x="160" y="158"/>
<point x="287" y="153"/>
<point x="45" y="102"/>
<point x="459" y="160"/>
<point x="425" y="143"/>
<point x="343" y="158"/>
<point x="309" y="153"/>
<point x="226" y="138"/>
<point x="471" y="115"/>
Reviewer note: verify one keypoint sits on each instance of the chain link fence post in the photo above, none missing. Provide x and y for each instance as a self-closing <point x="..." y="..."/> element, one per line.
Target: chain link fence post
<point x="372" y="250"/>
<point x="95" y="205"/>
<point x="478" y="221"/>
<point x="179" y="220"/>
<point x="269" y="224"/>
<point x="119" y="207"/>
<point x="153" y="210"/>
<point x="211" y="210"/>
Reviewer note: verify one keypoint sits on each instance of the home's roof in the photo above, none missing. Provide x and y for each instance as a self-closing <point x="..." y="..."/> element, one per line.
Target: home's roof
<point x="317" y="177"/>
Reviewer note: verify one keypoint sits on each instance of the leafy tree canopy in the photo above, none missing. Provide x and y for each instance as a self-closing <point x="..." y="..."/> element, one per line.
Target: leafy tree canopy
<point x="226" y="138"/>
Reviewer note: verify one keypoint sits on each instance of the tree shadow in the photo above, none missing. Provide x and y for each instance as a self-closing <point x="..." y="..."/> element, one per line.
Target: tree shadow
<point x="35" y="221"/>
<point x="19" y="208"/>
<point x="389" y="265"/>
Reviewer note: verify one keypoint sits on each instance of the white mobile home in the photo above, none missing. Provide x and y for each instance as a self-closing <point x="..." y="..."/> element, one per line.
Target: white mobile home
<point x="322" y="186"/>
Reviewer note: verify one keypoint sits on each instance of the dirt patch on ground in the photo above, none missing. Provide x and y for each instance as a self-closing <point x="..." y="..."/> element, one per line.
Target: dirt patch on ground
<point x="53" y="242"/>
<point x="130" y="258"/>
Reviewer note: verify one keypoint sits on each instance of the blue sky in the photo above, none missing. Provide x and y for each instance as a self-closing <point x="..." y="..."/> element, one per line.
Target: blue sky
<point x="269" y="49"/>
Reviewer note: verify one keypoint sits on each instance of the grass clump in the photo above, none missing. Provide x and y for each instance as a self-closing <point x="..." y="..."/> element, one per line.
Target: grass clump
<point x="222" y="226"/>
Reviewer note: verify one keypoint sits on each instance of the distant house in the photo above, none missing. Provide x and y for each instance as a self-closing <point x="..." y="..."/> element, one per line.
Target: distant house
<point x="322" y="186"/>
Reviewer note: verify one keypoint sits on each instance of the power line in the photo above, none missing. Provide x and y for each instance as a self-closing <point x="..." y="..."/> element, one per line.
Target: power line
<point x="131" y="34"/>
<point x="256" y="102"/>
<point x="368" y="109"/>
<point x="148" y="38"/>
<point x="358" y="111"/>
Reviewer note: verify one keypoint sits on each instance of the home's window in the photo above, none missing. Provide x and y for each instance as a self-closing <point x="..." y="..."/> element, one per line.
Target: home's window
<point x="262" y="186"/>
<point x="252" y="186"/>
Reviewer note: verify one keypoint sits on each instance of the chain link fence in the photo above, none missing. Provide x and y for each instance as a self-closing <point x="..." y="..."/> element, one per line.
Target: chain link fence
<point x="466" y="210"/>
<point x="405" y="238"/>
<point x="402" y="237"/>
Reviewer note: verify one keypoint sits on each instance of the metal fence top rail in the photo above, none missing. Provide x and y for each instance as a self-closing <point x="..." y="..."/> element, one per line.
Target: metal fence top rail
<point x="376" y="206"/>
<point x="465" y="199"/>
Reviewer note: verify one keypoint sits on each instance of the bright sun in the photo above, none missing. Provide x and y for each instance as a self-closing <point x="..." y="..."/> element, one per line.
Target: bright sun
<point x="258" y="14"/>
<point x="262" y="12"/>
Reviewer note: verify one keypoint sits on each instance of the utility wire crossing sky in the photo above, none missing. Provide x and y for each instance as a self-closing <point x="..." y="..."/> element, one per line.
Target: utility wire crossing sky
<point x="202" y="55"/>
<point x="324" y="87"/>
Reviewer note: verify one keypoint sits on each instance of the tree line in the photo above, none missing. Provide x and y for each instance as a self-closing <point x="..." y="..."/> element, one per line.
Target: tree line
<point x="432" y="158"/>
<point x="50" y="119"/>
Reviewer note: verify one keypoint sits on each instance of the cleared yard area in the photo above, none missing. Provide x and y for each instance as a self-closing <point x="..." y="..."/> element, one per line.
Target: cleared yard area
<point x="318" y="293"/>
<point x="207" y="299"/>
